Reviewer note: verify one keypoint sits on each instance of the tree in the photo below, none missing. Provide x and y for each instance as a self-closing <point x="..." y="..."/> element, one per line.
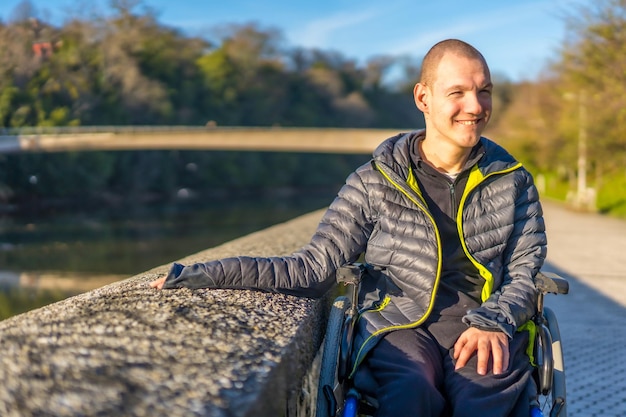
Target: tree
<point x="593" y="63"/>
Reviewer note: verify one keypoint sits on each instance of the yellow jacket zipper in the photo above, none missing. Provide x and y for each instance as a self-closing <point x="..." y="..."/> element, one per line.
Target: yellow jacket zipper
<point x="412" y="183"/>
<point x="476" y="178"/>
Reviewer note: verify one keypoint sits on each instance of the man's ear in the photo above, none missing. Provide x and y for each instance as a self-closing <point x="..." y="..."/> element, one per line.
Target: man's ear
<point x="421" y="96"/>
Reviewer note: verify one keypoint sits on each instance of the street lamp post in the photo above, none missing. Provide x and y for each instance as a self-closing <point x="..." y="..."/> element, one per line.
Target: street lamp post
<point x="584" y="197"/>
<point x="582" y="194"/>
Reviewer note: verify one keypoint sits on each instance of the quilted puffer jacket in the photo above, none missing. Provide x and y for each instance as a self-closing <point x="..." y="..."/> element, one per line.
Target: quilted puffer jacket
<point x="380" y="211"/>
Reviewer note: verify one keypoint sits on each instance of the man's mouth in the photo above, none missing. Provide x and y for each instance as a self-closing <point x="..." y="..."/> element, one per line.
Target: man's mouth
<point x="468" y="122"/>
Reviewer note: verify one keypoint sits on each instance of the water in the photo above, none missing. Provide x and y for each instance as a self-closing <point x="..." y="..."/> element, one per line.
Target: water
<point x="46" y="257"/>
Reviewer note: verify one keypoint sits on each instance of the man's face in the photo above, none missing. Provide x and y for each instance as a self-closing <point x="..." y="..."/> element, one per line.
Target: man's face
<point x="457" y="106"/>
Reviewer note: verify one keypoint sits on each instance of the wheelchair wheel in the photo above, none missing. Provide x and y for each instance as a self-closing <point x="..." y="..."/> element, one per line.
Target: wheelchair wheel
<point x="554" y="403"/>
<point x="329" y="389"/>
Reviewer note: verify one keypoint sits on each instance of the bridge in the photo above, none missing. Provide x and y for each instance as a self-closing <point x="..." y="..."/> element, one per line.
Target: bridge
<point x="322" y="140"/>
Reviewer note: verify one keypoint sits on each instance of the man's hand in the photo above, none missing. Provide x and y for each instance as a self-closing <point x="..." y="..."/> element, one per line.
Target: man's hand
<point x="158" y="283"/>
<point x="487" y="344"/>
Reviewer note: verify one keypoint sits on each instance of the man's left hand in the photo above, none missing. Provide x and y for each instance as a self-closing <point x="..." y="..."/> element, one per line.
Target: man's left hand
<point x="487" y="344"/>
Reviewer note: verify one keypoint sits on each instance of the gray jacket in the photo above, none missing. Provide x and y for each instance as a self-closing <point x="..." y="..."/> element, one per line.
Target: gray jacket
<point x="380" y="211"/>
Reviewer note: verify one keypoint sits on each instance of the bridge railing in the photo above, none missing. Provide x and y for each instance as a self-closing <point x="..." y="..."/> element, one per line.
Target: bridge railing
<point x="127" y="349"/>
<point x="64" y="130"/>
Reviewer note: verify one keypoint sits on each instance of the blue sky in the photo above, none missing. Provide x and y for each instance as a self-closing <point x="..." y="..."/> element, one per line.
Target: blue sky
<point x="518" y="38"/>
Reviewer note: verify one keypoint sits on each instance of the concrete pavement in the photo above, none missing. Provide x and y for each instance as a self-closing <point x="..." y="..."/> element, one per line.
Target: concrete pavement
<point x="588" y="250"/>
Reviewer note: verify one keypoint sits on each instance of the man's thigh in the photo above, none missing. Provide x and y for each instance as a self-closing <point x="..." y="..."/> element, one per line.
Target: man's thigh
<point x="407" y="367"/>
<point x="506" y="394"/>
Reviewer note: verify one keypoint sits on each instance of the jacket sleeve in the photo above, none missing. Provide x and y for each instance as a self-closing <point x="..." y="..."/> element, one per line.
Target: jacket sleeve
<point x="341" y="237"/>
<point x="514" y="302"/>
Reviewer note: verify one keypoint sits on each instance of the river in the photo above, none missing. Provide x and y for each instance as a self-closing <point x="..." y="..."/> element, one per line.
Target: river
<point x="47" y="256"/>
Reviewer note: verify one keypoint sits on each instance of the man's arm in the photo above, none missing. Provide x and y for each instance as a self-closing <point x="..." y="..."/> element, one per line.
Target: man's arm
<point x="514" y="302"/>
<point x="511" y="305"/>
<point x="340" y="237"/>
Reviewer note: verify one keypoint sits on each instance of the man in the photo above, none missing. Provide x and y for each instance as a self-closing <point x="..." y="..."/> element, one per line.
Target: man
<point x="454" y="226"/>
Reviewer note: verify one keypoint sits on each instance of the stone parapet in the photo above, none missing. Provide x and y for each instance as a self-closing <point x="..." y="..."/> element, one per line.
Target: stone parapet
<point x="129" y="350"/>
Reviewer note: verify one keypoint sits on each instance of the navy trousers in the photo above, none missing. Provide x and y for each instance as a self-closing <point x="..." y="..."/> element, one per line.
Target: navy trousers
<point x="415" y="377"/>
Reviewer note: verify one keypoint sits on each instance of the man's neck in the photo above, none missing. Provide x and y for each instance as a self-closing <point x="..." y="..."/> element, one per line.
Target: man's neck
<point x="449" y="160"/>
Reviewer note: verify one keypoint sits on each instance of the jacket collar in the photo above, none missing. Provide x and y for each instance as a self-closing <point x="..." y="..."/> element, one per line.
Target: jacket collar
<point x="395" y="152"/>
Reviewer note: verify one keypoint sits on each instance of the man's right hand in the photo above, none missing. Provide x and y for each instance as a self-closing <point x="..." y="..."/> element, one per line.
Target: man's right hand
<point x="158" y="283"/>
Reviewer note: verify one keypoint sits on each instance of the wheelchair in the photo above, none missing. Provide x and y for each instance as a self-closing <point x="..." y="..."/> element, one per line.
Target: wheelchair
<point x="337" y="395"/>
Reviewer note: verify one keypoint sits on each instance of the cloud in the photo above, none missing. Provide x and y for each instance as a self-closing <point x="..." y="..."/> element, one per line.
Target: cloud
<point x="496" y="22"/>
<point x="319" y="32"/>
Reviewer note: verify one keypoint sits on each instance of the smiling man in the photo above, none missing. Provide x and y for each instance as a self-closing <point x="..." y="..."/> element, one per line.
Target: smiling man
<point x="452" y="226"/>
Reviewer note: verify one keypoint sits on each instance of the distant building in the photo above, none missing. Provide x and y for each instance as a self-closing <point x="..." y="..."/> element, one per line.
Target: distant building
<point x="42" y="49"/>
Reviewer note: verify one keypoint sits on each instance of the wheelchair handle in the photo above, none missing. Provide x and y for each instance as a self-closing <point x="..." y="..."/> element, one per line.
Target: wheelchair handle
<point x="350" y="274"/>
<point x="549" y="282"/>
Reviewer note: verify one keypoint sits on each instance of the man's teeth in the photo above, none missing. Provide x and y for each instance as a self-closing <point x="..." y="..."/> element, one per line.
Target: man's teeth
<point x="468" y="122"/>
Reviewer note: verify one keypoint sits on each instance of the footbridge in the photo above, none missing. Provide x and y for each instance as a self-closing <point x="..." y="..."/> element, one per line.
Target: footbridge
<point x="324" y="140"/>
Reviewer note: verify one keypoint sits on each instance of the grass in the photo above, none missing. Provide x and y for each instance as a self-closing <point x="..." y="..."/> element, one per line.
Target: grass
<point x="610" y="196"/>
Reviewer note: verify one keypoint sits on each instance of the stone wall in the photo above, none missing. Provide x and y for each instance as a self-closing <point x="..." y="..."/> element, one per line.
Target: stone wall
<point x="129" y="350"/>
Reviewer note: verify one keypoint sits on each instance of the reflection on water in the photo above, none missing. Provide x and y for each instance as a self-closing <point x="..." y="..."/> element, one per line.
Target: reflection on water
<point x="46" y="258"/>
<point x="21" y="292"/>
<point x="69" y="282"/>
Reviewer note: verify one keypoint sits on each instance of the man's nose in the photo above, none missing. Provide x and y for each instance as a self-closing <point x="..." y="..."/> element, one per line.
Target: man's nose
<point x="473" y="103"/>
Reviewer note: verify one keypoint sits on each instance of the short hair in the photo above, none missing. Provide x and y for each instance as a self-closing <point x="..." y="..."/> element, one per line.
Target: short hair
<point x="436" y="53"/>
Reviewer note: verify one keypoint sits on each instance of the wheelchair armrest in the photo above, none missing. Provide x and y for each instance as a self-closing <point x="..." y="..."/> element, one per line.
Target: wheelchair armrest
<point x="350" y="273"/>
<point x="548" y="282"/>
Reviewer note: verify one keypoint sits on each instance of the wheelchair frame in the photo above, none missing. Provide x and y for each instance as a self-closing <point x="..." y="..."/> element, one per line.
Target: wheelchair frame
<point x="337" y="396"/>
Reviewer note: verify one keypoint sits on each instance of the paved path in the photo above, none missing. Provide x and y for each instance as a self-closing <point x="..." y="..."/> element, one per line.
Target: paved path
<point x="589" y="250"/>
